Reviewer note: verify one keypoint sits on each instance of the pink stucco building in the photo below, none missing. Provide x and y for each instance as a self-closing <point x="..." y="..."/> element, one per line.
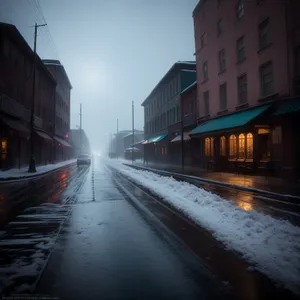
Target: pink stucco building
<point x="248" y="67"/>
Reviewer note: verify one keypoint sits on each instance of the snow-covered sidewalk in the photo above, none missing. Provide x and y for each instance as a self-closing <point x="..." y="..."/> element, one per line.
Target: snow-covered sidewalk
<point x="272" y="246"/>
<point x="40" y="170"/>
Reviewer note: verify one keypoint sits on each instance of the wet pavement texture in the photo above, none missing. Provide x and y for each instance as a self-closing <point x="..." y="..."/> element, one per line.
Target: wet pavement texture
<point x="32" y="214"/>
<point x="109" y="251"/>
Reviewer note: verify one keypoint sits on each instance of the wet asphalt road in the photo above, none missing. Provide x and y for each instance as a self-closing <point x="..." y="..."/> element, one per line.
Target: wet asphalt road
<point x="109" y="251"/>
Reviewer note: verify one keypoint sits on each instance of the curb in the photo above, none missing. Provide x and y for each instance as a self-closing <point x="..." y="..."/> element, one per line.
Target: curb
<point x="277" y="196"/>
<point x="9" y="179"/>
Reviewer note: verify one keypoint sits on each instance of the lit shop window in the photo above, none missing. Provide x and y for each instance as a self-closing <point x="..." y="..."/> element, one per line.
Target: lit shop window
<point x="209" y="147"/>
<point x="249" y="145"/>
<point x="4" y="146"/>
<point x="242" y="145"/>
<point x="223" y="146"/>
<point x="232" y="146"/>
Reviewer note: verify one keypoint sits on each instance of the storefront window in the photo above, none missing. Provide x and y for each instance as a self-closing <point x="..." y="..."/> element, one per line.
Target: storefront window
<point x="223" y="146"/>
<point x="4" y="146"/>
<point x="232" y="146"/>
<point x="249" y="145"/>
<point x="207" y="147"/>
<point x="242" y="144"/>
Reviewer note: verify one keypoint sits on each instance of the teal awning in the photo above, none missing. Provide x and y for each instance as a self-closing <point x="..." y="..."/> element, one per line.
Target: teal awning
<point x="157" y="138"/>
<point x="287" y="107"/>
<point x="234" y="120"/>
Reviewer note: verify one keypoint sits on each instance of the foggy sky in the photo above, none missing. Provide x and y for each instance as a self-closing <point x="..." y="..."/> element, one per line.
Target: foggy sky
<point x="114" y="52"/>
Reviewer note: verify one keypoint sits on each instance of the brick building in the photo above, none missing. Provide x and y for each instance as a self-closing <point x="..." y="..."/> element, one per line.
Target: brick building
<point x="247" y="55"/>
<point x="61" y="148"/>
<point x="16" y="60"/>
<point x="162" y="109"/>
<point x="189" y="115"/>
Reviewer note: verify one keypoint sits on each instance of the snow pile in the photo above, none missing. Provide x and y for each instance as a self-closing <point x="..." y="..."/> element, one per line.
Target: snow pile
<point x="23" y="172"/>
<point x="271" y="245"/>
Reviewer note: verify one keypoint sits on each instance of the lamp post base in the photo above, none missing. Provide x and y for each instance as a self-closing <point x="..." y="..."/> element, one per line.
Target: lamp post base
<point x="32" y="168"/>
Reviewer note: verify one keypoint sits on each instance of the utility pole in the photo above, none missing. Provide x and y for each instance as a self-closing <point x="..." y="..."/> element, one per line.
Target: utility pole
<point x="32" y="168"/>
<point x="80" y="129"/>
<point x="132" y="130"/>
<point x="117" y="139"/>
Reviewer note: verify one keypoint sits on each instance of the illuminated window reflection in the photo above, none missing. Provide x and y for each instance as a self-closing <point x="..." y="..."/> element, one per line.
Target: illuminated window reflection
<point x="249" y="145"/>
<point x="232" y="146"/>
<point x="242" y="142"/>
<point x="223" y="146"/>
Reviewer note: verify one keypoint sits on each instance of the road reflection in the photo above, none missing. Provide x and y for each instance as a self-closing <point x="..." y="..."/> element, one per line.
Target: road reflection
<point x="17" y="195"/>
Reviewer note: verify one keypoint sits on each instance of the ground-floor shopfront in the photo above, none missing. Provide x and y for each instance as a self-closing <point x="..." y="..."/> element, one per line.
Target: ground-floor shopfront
<point x="261" y="140"/>
<point x="14" y="136"/>
<point x="15" y="145"/>
<point x="156" y="148"/>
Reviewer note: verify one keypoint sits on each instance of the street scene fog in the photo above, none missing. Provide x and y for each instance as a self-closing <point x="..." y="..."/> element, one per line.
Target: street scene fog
<point x="149" y="149"/>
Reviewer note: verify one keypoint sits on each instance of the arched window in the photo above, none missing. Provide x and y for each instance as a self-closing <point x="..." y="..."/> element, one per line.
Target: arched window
<point x="232" y="146"/>
<point x="223" y="146"/>
<point x="242" y="146"/>
<point x="249" y="145"/>
<point x="207" y="147"/>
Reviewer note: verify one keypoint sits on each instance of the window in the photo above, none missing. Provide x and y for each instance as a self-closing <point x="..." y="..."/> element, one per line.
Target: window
<point x="264" y="34"/>
<point x="223" y="146"/>
<point x="223" y="97"/>
<point x="222" y="60"/>
<point x="3" y="146"/>
<point x="220" y="27"/>
<point x="203" y="40"/>
<point x="209" y="147"/>
<point x="232" y="146"/>
<point x="242" y="89"/>
<point x="206" y="103"/>
<point x="242" y="146"/>
<point x="240" y="46"/>
<point x="205" y="70"/>
<point x="266" y="79"/>
<point x="240" y="9"/>
<point x="249" y="146"/>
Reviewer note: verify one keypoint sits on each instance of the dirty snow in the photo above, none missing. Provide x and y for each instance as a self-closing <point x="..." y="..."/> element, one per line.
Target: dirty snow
<point x="23" y="172"/>
<point x="271" y="245"/>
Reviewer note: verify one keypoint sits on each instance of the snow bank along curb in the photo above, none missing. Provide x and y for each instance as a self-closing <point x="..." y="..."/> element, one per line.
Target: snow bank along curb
<point x="271" y="245"/>
<point x="234" y="186"/>
<point x="23" y="176"/>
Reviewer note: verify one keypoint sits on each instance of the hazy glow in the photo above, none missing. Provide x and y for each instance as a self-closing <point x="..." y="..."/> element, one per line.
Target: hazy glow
<point x="92" y="79"/>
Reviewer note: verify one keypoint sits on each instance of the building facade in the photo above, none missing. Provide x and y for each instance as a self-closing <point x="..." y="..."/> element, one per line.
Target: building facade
<point x="162" y="109"/>
<point x="80" y="142"/>
<point x="247" y="55"/>
<point x="16" y="88"/>
<point x="61" y="148"/>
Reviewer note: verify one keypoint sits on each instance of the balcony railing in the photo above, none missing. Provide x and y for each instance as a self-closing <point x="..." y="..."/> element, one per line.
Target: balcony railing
<point x="14" y="108"/>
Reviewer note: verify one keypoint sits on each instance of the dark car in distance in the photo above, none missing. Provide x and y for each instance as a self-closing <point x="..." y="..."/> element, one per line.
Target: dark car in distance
<point x="132" y="152"/>
<point x="83" y="159"/>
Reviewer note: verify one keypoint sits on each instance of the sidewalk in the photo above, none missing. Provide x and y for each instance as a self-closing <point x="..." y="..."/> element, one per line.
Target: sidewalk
<point x="269" y="184"/>
<point x="22" y="173"/>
